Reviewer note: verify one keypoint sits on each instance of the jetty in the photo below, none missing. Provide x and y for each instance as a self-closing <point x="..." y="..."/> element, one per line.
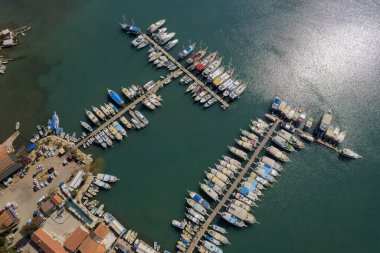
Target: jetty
<point x="224" y="104"/>
<point x="130" y="106"/>
<point x="230" y="191"/>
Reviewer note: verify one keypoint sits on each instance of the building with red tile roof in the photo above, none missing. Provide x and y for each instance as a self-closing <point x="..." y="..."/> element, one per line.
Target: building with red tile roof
<point x="46" y="243"/>
<point x="73" y="242"/>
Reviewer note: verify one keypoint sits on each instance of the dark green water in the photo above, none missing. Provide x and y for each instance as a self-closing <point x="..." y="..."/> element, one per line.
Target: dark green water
<point x="318" y="54"/>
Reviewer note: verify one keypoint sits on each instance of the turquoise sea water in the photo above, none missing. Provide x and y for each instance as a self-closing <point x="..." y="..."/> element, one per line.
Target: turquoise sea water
<point x="317" y="54"/>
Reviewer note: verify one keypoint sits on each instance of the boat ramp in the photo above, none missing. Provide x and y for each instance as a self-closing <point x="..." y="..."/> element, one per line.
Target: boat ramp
<point x="223" y="103"/>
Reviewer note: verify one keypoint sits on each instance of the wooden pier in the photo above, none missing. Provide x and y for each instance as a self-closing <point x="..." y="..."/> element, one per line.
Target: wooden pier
<point x="224" y="104"/>
<point x="231" y="189"/>
<point x="130" y="106"/>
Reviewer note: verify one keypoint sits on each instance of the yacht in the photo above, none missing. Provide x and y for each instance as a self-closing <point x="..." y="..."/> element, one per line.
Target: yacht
<point x="86" y="126"/>
<point x="349" y="153"/>
<point x="153" y="27"/>
<point x="171" y="44"/>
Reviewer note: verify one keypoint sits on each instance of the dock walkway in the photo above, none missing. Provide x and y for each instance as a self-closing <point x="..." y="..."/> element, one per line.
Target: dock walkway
<point x="224" y="105"/>
<point x="228" y="194"/>
<point x="153" y="90"/>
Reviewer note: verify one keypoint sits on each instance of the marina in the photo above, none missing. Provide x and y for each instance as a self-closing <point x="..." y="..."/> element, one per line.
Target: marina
<point x="230" y="191"/>
<point x="127" y="108"/>
<point x="223" y="103"/>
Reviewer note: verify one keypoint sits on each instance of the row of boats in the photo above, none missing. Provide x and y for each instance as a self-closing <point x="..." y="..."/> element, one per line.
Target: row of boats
<point x="238" y="211"/>
<point x="100" y="181"/>
<point x="325" y="129"/>
<point x="116" y="130"/>
<point x="209" y="69"/>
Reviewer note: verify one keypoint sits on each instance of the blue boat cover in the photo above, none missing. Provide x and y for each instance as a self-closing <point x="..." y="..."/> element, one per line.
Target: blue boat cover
<point x="184" y="241"/>
<point x="244" y="191"/>
<point x="31" y="147"/>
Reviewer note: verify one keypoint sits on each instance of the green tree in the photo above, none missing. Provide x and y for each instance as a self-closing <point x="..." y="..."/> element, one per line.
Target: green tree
<point x="28" y="229"/>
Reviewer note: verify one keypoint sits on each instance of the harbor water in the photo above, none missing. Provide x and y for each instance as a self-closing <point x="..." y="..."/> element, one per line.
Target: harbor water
<point x="316" y="54"/>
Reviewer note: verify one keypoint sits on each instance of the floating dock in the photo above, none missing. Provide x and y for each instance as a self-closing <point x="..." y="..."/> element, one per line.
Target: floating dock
<point x="153" y="90"/>
<point x="224" y="104"/>
<point x="198" y="236"/>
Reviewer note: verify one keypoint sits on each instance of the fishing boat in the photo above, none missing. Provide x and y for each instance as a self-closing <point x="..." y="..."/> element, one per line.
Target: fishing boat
<point x="126" y="122"/>
<point x="241" y="214"/>
<point x="232" y="161"/>
<point x="212" y="240"/>
<point x="229" y="173"/>
<point x="341" y="137"/>
<point x="218" y="229"/>
<point x="225" y="164"/>
<point x="212" y="66"/>
<point x="218" y="236"/>
<point x="86" y="126"/>
<point x="222" y="78"/>
<point x="119" y="128"/>
<point x="288" y="128"/>
<point x="196" y="206"/>
<point x="244" y="199"/>
<point x="271" y="163"/>
<point x="275" y="152"/>
<point x="165" y="38"/>
<point x="101" y="184"/>
<point x="197" y="198"/>
<point x="105" y="110"/>
<point x="233" y="220"/>
<point x="246" y="145"/>
<point x="99" y="113"/>
<point x="349" y="153"/>
<point x="205" y="98"/>
<point x="291" y="139"/>
<point x="215" y="180"/>
<point x="238" y="91"/>
<point x="179" y="224"/>
<point x="238" y="153"/>
<point x="113" y="107"/>
<point x="249" y="135"/>
<point x="230" y="88"/>
<point x="241" y="204"/>
<point x="252" y="142"/>
<point x="267" y="169"/>
<point x="212" y="247"/>
<point x="275" y="103"/>
<point x="129" y="28"/>
<point x="194" y="213"/>
<point x="307" y="136"/>
<point x="186" y="51"/>
<point x="17" y="126"/>
<point x="219" y="71"/>
<point x="197" y="56"/>
<point x="336" y="133"/>
<point x="136" y="42"/>
<point x="210" y="192"/>
<point x="210" y="102"/>
<point x="115" y="97"/>
<point x="329" y="132"/>
<point x="257" y="130"/>
<point x="142" y="117"/>
<point x="226" y="84"/>
<point x="214" y="187"/>
<point x="114" y="131"/>
<point x="92" y="117"/>
<point x="107" y="178"/>
<point x="324" y="124"/>
<point x="136" y="123"/>
<point x="201" y="95"/>
<point x="153" y="27"/>
<point x="220" y="175"/>
<point x="202" y="65"/>
<point x="282" y="143"/>
<point x="171" y="44"/>
<point x="110" y="109"/>
<point x="264" y="174"/>
<point x="148" y="104"/>
<point x="192" y="218"/>
<point x="127" y="93"/>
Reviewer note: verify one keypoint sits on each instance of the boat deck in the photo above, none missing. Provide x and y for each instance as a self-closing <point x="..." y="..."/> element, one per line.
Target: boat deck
<point x="224" y="104"/>
<point x="321" y="142"/>
<point x="232" y="188"/>
<point x="130" y="106"/>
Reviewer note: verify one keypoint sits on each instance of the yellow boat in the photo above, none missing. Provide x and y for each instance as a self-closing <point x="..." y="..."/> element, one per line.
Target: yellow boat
<point x="113" y="130"/>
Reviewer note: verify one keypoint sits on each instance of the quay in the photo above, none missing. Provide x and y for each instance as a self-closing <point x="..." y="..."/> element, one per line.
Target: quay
<point x="224" y="105"/>
<point x="8" y="143"/>
<point x="153" y="90"/>
<point x="216" y="210"/>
